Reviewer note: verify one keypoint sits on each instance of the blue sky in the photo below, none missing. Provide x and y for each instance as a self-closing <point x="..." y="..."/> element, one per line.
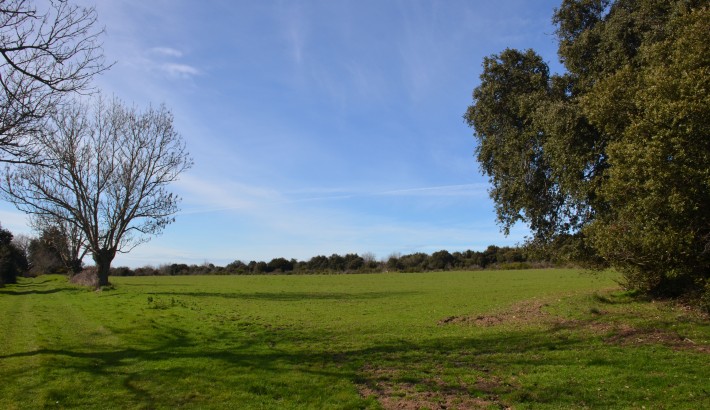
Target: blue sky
<point x="317" y="127"/>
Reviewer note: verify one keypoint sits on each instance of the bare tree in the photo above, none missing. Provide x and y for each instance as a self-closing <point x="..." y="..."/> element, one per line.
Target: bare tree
<point x="44" y="56"/>
<point x="107" y="171"/>
<point x="65" y="237"/>
<point x="22" y="242"/>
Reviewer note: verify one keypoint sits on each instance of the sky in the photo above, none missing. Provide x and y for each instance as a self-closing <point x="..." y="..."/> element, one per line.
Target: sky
<point x="316" y="127"/>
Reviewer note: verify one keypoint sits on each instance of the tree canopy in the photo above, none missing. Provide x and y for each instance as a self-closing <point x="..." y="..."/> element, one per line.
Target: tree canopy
<point x="615" y="151"/>
<point x="46" y="54"/>
<point x="106" y="175"/>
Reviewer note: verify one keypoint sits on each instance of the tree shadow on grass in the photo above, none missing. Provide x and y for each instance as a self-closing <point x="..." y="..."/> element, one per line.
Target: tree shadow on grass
<point x="272" y="364"/>
<point x="254" y="363"/>
<point x="187" y="364"/>
<point x="623" y="298"/>
<point x="290" y="296"/>
<point x="32" y="282"/>
<point x="16" y="292"/>
<point x="39" y="286"/>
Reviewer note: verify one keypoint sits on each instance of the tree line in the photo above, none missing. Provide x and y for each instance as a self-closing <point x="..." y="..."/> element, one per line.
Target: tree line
<point x="51" y="253"/>
<point x="352" y="263"/>
<point x="26" y="256"/>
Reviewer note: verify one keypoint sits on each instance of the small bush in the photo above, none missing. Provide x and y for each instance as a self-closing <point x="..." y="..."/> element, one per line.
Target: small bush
<point x="87" y="277"/>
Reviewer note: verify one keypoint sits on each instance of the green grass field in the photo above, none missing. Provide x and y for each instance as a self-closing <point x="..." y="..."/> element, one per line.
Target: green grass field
<point x="490" y="339"/>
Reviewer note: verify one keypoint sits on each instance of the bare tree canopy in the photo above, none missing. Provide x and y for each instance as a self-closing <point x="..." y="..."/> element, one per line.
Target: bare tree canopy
<point x="107" y="171"/>
<point x="45" y="55"/>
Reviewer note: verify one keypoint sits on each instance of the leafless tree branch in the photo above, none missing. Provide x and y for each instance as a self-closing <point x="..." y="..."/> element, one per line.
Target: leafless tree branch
<point x="45" y="55"/>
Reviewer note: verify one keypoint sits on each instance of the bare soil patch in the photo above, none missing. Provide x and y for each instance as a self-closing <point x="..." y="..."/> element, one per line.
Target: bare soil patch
<point x="396" y="395"/>
<point x="632" y="336"/>
<point x="529" y="311"/>
<point x="600" y="322"/>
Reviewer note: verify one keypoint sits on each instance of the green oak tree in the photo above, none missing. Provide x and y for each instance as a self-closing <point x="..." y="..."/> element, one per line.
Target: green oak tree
<point x="615" y="151"/>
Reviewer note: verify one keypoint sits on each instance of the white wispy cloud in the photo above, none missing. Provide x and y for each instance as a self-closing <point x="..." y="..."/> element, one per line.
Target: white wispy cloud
<point x="462" y="190"/>
<point x="218" y="195"/>
<point x="166" y="51"/>
<point x="442" y="190"/>
<point x="179" y="70"/>
<point x="294" y="26"/>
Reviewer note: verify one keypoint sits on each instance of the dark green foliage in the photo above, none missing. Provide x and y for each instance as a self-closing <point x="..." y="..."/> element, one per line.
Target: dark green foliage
<point x="658" y="226"/>
<point x="609" y="162"/>
<point x="393" y="264"/>
<point x="492" y="257"/>
<point x="13" y="261"/>
<point x="44" y="258"/>
<point x="280" y="265"/>
<point x="60" y="240"/>
<point x="353" y="262"/>
<point x="414" y="262"/>
<point x="176" y="269"/>
<point x="566" y="249"/>
<point x="441" y="260"/>
<point x="236" y="267"/>
<point x="50" y="254"/>
<point x="336" y="262"/>
<point x="318" y="263"/>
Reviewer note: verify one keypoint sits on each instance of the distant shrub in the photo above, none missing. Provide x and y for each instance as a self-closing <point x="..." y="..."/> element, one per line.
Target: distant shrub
<point x="122" y="271"/>
<point x="145" y="271"/>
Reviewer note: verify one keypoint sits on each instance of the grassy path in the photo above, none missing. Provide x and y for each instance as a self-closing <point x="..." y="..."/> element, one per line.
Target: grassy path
<point x="525" y="339"/>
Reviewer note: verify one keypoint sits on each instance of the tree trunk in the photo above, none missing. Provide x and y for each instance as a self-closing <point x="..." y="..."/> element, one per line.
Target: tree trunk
<point x="103" y="260"/>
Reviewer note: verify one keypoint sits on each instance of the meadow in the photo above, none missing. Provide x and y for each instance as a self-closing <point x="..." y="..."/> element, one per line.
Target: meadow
<point x="487" y="339"/>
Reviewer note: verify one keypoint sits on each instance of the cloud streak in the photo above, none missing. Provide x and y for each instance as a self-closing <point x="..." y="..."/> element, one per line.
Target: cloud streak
<point x="179" y="70"/>
<point x="441" y="190"/>
<point x="166" y="51"/>
<point x="209" y="196"/>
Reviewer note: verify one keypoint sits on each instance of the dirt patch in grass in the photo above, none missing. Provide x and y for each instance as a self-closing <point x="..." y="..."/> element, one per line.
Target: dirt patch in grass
<point x="409" y="399"/>
<point x="631" y="336"/>
<point x="624" y="334"/>
<point x="529" y="311"/>
<point x="393" y="393"/>
<point x="597" y="322"/>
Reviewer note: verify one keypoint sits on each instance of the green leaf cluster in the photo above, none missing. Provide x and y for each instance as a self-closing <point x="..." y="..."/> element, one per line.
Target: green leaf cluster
<point x="616" y="150"/>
